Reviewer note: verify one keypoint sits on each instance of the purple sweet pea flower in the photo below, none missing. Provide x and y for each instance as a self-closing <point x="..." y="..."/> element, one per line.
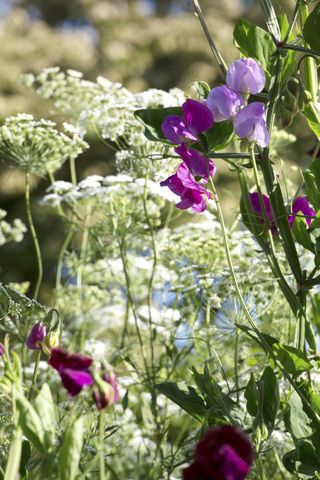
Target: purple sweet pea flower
<point x="35" y="337"/>
<point x="255" y="203"/>
<point x="197" y="163"/>
<point x="302" y="205"/>
<point x="185" y="186"/>
<point x="196" y="118"/>
<point x="73" y="369"/>
<point x="2" y="349"/>
<point x="250" y="123"/>
<point x="225" y="452"/>
<point x="223" y="103"/>
<point x="106" y="392"/>
<point x="246" y="76"/>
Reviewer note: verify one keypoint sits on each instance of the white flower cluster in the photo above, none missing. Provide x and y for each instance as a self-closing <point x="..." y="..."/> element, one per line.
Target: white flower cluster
<point x="11" y="232"/>
<point x="108" y="108"/>
<point x="36" y="145"/>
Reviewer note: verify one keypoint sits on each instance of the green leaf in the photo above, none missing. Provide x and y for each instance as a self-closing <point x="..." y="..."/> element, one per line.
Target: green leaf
<point x="30" y="423"/>
<point x="311" y="29"/>
<point x="219" y="136"/>
<point x="45" y="407"/>
<point x="302" y="233"/>
<point x="251" y="395"/>
<point x="253" y="41"/>
<point x="297" y="421"/>
<point x="186" y="397"/>
<point x="25" y="457"/>
<point x="152" y="119"/>
<point x="269" y="396"/>
<point x="70" y="452"/>
<point x="289" y="60"/>
<point x="304" y="460"/>
<point x="311" y="112"/>
<point x="294" y="361"/>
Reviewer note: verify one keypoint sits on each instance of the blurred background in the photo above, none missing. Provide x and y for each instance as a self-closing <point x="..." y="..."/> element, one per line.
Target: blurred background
<point x="140" y="43"/>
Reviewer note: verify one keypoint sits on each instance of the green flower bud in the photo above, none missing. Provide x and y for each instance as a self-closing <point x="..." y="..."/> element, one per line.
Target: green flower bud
<point x="50" y="341"/>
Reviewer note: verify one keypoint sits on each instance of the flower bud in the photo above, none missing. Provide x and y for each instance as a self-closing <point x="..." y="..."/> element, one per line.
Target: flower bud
<point x="36" y="336"/>
<point x="50" y="341"/>
<point x="105" y="391"/>
<point x="2" y="350"/>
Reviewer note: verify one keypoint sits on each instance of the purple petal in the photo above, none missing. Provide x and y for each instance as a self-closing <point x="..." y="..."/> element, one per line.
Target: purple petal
<point x="2" y="350"/>
<point x="250" y="123"/>
<point x="256" y="204"/>
<point x="246" y="76"/>
<point x="75" y="380"/>
<point x="197" y="163"/>
<point x="176" y="131"/>
<point x="35" y="337"/>
<point x="301" y="204"/>
<point x="61" y="360"/>
<point x="223" y="103"/>
<point x="197" y="116"/>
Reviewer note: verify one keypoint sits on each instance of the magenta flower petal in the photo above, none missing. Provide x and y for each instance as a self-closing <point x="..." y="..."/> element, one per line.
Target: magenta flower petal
<point x="176" y="131"/>
<point x="75" y="380"/>
<point x="224" y="103"/>
<point x="301" y="204"/>
<point x="60" y="360"/>
<point x="185" y="186"/>
<point x="2" y="350"/>
<point x="225" y="452"/>
<point x="197" y="163"/>
<point x="35" y="337"/>
<point x="246" y="76"/>
<point x="254" y="199"/>
<point x="197" y="116"/>
<point x="250" y="123"/>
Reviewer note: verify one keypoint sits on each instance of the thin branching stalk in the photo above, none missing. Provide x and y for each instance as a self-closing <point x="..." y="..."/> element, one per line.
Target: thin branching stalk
<point x="102" y="468"/>
<point x="14" y="456"/>
<point x="35" y="375"/>
<point x="34" y="236"/>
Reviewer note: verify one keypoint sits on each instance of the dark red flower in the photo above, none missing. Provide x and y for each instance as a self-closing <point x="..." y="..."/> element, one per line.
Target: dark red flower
<point x="73" y="369"/>
<point x="224" y="453"/>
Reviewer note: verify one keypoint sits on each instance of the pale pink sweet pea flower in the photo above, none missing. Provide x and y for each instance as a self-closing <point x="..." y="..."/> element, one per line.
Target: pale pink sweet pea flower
<point x="223" y="103"/>
<point x="250" y="123"/>
<point x="246" y="76"/>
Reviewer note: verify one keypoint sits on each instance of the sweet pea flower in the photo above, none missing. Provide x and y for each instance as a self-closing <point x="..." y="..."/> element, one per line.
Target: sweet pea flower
<point x="301" y="204"/>
<point x="73" y="369"/>
<point x="223" y="103"/>
<point x="224" y="453"/>
<point x="106" y="392"/>
<point x="255" y="203"/>
<point x="196" y="118"/>
<point x="2" y="349"/>
<point x="185" y="186"/>
<point x="250" y="123"/>
<point x="36" y="336"/>
<point x="246" y="76"/>
<point x="198" y="165"/>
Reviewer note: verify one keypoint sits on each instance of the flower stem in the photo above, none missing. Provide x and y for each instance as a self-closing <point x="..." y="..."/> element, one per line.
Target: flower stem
<point x="34" y="235"/>
<point x="13" y="465"/>
<point x="102" y="468"/>
<point x="35" y="374"/>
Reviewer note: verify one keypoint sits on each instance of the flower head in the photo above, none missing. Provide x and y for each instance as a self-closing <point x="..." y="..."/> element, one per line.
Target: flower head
<point x="73" y="369"/>
<point x="185" y="186"/>
<point x="223" y="103"/>
<point x="198" y="165"/>
<point x="246" y="76"/>
<point x="301" y="204"/>
<point x="196" y="118"/>
<point x="36" y="336"/>
<point x="105" y="391"/>
<point x="225" y="452"/>
<point x="255" y="203"/>
<point x="250" y="123"/>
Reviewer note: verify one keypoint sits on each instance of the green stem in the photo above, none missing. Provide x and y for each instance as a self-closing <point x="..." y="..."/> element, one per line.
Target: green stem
<point x="310" y="65"/>
<point x="236" y="360"/>
<point x="260" y="469"/>
<point x="215" y="51"/>
<point x="35" y="374"/>
<point x="13" y="464"/>
<point x="73" y="172"/>
<point x="34" y="236"/>
<point x="60" y="258"/>
<point x="102" y="467"/>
